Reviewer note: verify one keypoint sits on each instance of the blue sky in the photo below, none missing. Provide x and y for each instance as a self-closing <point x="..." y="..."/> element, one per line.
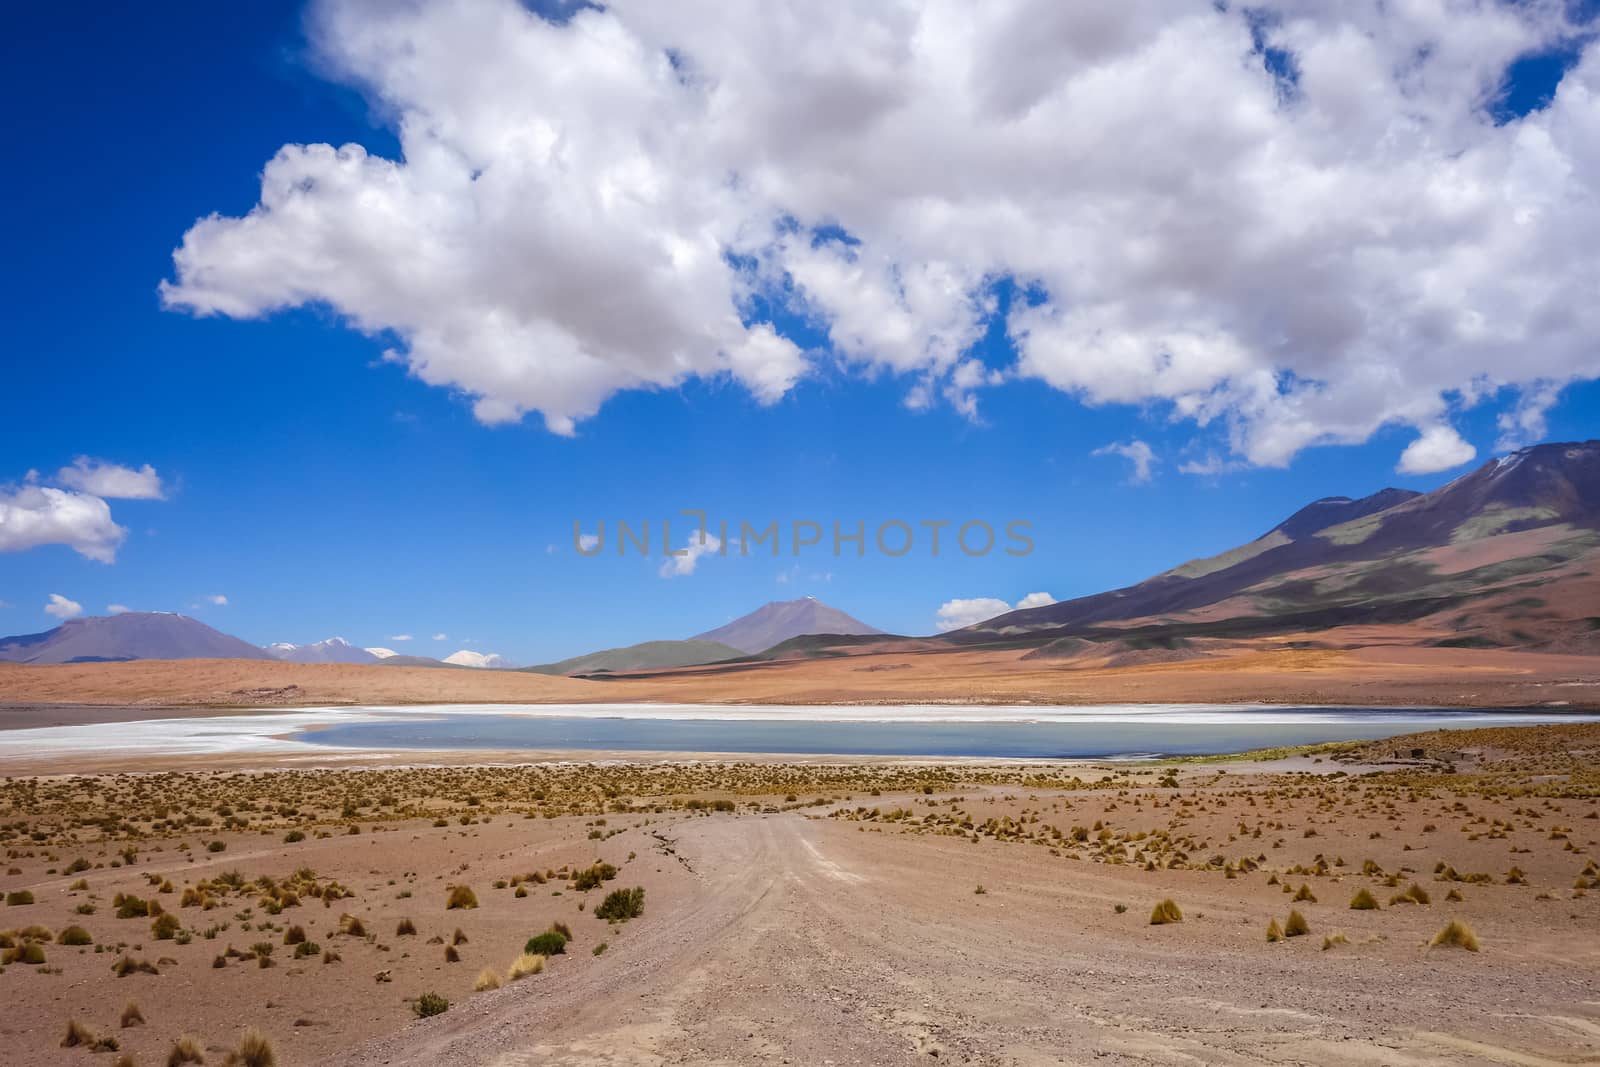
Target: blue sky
<point x="323" y="490"/>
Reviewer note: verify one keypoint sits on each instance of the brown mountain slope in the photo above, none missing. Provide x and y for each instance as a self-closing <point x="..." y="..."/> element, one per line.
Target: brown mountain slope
<point x="1517" y="537"/>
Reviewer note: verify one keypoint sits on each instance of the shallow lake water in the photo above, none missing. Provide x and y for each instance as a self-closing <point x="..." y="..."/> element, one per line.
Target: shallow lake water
<point x="1055" y="733"/>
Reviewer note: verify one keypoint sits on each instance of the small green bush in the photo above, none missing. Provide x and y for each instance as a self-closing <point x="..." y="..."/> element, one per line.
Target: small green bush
<point x="549" y="943"/>
<point x="430" y="1004"/>
<point x="621" y="905"/>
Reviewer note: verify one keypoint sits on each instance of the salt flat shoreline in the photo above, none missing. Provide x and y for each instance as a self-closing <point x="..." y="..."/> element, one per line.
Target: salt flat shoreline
<point x="278" y="738"/>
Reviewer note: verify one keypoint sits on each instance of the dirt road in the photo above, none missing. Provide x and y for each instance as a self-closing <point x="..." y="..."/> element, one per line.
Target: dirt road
<point x="807" y="941"/>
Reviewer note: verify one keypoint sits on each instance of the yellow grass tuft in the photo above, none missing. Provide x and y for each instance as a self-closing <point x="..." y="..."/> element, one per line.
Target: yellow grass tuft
<point x="131" y="1015"/>
<point x="461" y="896"/>
<point x="78" y="1034"/>
<point x="487" y="979"/>
<point x="1274" y="931"/>
<point x="254" y="1051"/>
<point x="524" y="965"/>
<point x="185" y="1050"/>
<point x="1166" y="912"/>
<point x="1335" y="938"/>
<point x="1363" y="901"/>
<point x="1296" y="926"/>
<point x="1456" y="934"/>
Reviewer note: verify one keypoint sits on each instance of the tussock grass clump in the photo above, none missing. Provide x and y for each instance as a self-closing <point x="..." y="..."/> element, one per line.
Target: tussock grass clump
<point x="405" y="928"/>
<point x="458" y="938"/>
<point x="127" y="965"/>
<point x="524" y="965"/>
<point x="487" y="979"/>
<point x="78" y="1034"/>
<point x="185" y="1050"/>
<point x="295" y="935"/>
<point x="451" y="955"/>
<point x="254" y="1051"/>
<point x="131" y="1015"/>
<point x="1414" y="895"/>
<point x="1274" y="931"/>
<point x="1296" y="926"/>
<point x="1335" y="938"/>
<point x="1363" y="901"/>
<point x="74" y="935"/>
<point x="29" y="952"/>
<point x="165" y="927"/>
<point x="461" y="896"/>
<point x="1165" y="912"/>
<point x="1304" y="893"/>
<point x="1456" y="934"/>
<point x="18" y="897"/>
<point x="352" y="925"/>
<point x="621" y="905"/>
<point x="429" y="1005"/>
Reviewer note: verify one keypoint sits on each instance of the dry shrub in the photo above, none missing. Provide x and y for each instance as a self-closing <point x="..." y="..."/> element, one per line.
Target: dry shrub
<point x="487" y="979"/>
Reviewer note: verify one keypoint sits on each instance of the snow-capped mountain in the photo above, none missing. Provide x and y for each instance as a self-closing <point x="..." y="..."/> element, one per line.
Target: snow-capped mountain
<point x="468" y="658"/>
<point x="333" y="650"/>
<point x="382" y="653"/>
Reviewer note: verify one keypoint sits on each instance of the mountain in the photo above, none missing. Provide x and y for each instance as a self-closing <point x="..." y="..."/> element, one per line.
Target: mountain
<point x="382" y="653"/>
<point x="400" y="659"/>
<point x="333" y="650"/>
<point x="649" y="656"/>
<point x="782" y="619"/>
<point x="468" y="658"/>
<point x="1495" y="557"/>
<point x="131" y="635"/>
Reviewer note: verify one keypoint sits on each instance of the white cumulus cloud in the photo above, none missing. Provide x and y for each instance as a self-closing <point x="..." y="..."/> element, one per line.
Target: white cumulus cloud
<point x="1438" y="449"/>
<point x="34" y="515"/>
<point x="111" y="480"/>
<point x="62" y="608"/>
<point x="117" y="609"/>
<point x="406" y="637"/>
<point x="1287" y="223"/>
<point x="955" y="614"/>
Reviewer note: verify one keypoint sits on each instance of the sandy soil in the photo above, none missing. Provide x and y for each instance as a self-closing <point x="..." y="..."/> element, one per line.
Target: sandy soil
<point x="1383" y="669"/>
<point x="832" y="914"/>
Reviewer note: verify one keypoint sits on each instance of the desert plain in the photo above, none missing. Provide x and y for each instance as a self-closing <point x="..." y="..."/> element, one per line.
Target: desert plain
<point x="1425" y="900"/>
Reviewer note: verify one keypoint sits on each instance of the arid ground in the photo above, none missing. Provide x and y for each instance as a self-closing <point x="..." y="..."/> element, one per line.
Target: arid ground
<point x="1372" y="666"/>
<point x="811" y="914"/>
